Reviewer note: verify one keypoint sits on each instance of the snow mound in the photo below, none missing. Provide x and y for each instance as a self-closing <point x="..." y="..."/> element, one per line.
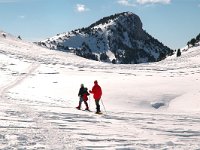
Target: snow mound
<point x="189" y="102"/>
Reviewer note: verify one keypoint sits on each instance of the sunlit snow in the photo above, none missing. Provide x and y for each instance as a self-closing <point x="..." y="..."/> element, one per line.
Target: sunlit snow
<point x="147" y="106"/>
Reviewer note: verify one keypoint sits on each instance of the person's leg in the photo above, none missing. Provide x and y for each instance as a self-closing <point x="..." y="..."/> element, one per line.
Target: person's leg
<point x="80" y="102"/>
<point x="97" y="106"/>
<point x="86" y="104"/>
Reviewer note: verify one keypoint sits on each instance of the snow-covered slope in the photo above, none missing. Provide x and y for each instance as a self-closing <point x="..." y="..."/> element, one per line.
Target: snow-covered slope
<point x="147" y="106"/>
<point x="117" y="38"/>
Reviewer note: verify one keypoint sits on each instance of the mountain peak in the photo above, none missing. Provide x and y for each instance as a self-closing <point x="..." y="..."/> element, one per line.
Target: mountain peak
<point x="114" y="18"/>
<point x="117" y="38"/>
<point x="127" y="13"/>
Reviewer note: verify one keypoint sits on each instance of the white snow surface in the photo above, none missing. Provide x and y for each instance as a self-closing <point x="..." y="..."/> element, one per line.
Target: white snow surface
<point x="147" y="106"/>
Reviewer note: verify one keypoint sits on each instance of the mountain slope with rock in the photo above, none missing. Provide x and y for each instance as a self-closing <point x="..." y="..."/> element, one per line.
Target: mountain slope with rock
<point x="118" y="38"/>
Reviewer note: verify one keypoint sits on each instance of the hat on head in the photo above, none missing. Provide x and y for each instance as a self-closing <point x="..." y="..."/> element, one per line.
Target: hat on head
<point x="82" y="85"/>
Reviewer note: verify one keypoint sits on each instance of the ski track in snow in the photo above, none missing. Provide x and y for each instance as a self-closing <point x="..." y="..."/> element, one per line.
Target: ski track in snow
<point x="41" y="133"/>
<point x="55" y="124"/>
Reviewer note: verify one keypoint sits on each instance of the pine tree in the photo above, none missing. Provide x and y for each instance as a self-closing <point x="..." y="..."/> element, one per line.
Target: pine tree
<point x="198" y="37"/>
<point x="193" y="41"/>
<point x="188" y="44"/>
<point x="178" y="53"/>
<point x="19" y="37"/>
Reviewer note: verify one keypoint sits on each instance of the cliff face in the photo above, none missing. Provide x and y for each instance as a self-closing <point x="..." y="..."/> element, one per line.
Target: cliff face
<point x="117" y="38"/>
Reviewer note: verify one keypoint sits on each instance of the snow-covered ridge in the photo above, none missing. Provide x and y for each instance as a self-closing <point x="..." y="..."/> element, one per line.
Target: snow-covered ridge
<point x="120" y="34"/>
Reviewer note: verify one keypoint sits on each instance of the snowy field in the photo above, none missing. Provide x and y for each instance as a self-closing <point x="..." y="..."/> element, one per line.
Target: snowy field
<point x="148" y="106"/>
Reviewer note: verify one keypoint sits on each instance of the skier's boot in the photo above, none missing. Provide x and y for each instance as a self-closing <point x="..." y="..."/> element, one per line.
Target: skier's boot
<point x="98" y="112"/>
<point x="86" y="104"/>
<point x="78" y="107"/>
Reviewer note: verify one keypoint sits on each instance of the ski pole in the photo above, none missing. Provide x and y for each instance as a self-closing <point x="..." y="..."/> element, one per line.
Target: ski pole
<point x="103" y="105"/>
<point x="89" y="101"/>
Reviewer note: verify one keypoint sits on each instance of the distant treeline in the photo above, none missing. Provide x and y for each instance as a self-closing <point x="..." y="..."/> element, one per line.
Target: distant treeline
<point x="194" y="41"/>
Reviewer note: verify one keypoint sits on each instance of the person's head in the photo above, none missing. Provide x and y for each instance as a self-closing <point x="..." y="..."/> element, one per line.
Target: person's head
<point x="82" y="85"/>
<point x="95" y="82"/>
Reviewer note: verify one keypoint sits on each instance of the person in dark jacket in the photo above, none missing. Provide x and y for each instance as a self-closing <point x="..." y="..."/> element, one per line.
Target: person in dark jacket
<point x="97" y="93"/>
<point x="83" y="94"/>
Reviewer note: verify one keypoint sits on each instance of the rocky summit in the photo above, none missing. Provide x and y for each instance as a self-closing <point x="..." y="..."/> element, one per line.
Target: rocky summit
<point x="118" y="38"/>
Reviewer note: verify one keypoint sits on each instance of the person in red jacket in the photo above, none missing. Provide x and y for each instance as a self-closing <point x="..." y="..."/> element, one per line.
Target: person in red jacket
<point x="96" y="90"/>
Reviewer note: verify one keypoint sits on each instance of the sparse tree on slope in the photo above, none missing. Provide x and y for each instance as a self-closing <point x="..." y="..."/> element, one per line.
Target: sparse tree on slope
<point x="193" y="41"/>
<point x="178" y="53"/>
<point x="198" y="38"/>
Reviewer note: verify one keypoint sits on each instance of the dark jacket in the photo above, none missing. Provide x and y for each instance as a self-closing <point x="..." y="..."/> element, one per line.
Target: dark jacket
<point x="83" y="93"/>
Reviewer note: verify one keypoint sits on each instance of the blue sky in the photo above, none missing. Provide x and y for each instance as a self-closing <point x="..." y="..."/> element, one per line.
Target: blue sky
<point x="173" y="22"/>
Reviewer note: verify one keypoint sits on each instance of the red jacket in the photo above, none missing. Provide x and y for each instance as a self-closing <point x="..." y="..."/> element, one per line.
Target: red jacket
<point x="96" y="90"/>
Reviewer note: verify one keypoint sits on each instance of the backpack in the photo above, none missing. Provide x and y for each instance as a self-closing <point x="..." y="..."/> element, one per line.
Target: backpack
<point x="85" y="94"/>
<point x="85" y="98"/>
